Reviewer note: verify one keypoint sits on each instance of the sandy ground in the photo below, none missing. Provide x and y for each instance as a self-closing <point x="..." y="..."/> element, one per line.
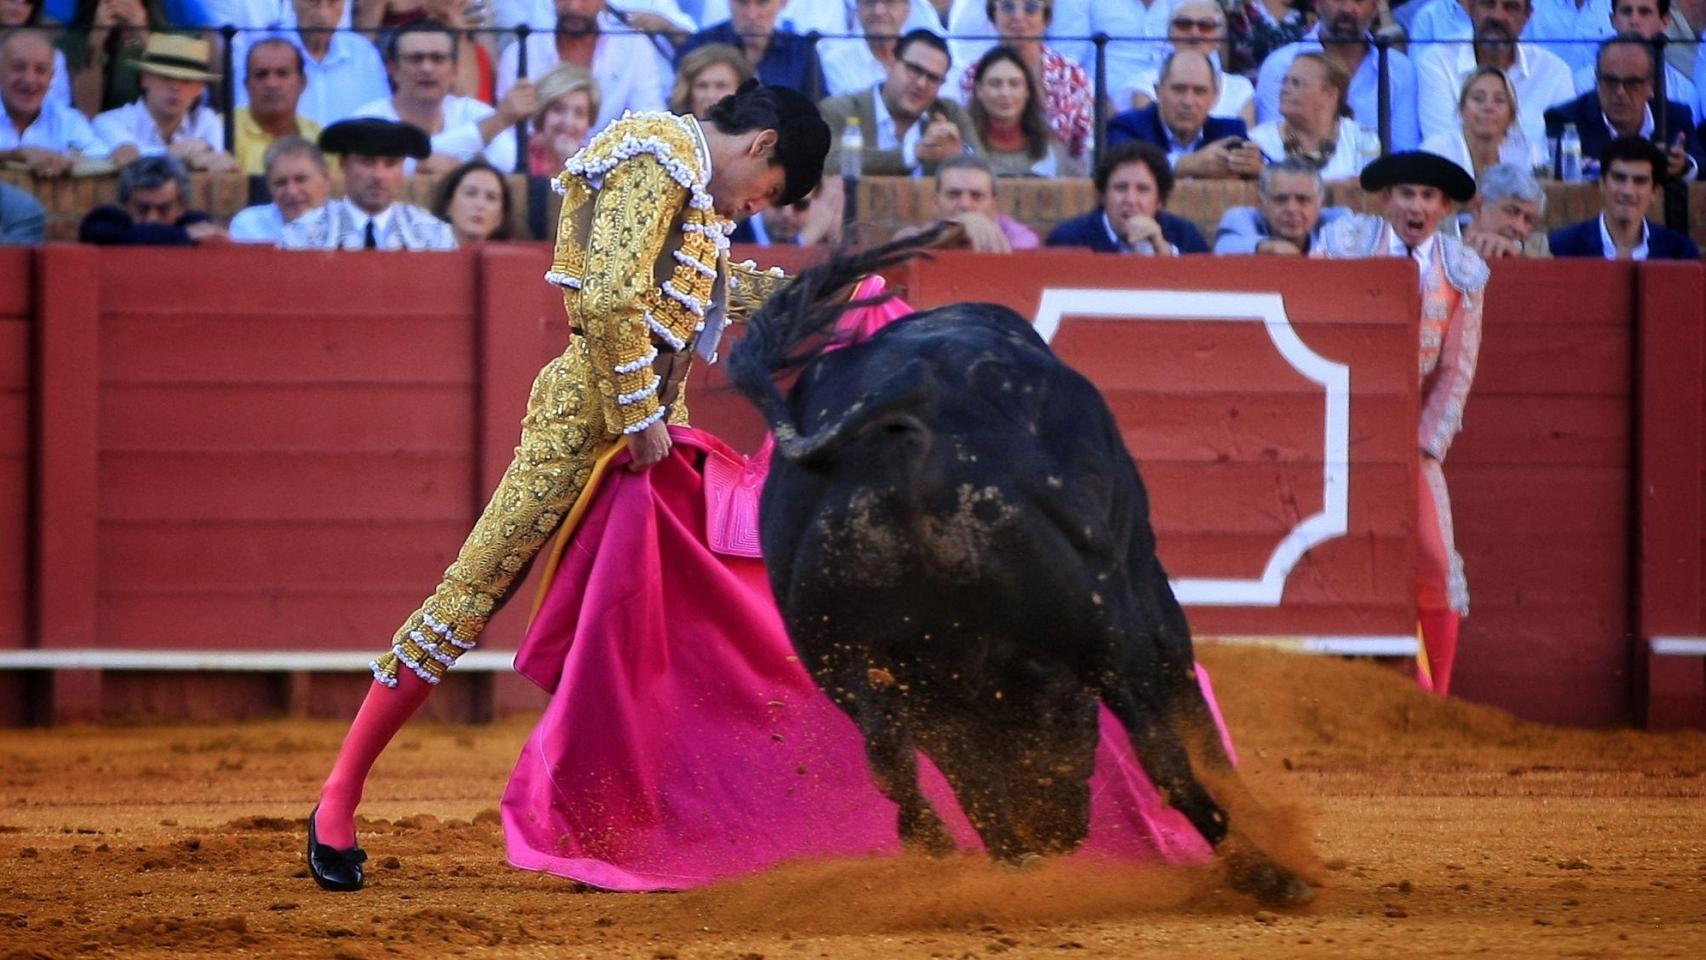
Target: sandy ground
<point x="1438" y="830"/>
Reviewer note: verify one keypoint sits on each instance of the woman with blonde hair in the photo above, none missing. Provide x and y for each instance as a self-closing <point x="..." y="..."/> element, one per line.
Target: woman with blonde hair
<point x="1489" y="134"/>
<point x="705" y="76"/>
<point x="1315" y="125"/>
<point x="568" y="104"/>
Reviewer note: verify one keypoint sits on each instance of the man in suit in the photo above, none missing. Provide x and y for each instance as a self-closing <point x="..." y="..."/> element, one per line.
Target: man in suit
<point x="1620" y="105"/>
<point x="1133" y="181"/>
<point x="1631" y="170"/>
<point x="1197" y="145"/>
<point x="907" y="127"/>
<point x="1289" y="216"/>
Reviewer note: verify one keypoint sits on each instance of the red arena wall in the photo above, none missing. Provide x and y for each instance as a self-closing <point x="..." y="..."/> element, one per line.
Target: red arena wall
<point x="283" y="461"/>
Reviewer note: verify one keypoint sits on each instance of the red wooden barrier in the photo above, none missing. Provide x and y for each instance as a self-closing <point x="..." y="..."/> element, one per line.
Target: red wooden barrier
<point x="17" y="291"/>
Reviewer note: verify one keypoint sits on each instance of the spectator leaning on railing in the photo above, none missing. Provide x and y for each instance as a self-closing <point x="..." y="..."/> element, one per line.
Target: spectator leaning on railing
<point x="275" y="80"/>
<point x="1509" y="208"/>
<point x="299" y="180"/>
<point x="907" y="127"/>
<point x="1288" y="217"/>
<point x="966" y="197"/>
<point x="43" y="135"/>
<point x="153" y="198"/>
<point x="15" y="14"/>
<point x="1133" y="182"/>
<point x="170" y="117"/>
<point x="1631" y="172"/>
<point x="1197" y="145"/>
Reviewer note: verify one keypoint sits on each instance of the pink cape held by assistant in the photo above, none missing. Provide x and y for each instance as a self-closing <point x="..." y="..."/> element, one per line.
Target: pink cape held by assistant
<point x="684" y="742"/>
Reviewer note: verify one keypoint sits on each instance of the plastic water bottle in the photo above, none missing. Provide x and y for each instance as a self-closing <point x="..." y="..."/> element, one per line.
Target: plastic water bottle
<point x="852" y="149"/>
<point x="1570" y="154"/>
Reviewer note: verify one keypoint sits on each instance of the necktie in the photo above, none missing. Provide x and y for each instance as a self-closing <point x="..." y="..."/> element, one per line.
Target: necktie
<point x="370" y="240"/>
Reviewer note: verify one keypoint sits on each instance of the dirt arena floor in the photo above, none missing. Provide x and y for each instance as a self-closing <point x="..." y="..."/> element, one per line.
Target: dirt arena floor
<point x="1437" y="830"/>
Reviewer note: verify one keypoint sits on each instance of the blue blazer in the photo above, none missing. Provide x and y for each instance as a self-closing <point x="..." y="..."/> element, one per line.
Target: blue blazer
<point x="1585" y="113"/>
<point x="1582" y="240"/>
<point x="1087" y="231"/>
<point x="1146" y="125"/>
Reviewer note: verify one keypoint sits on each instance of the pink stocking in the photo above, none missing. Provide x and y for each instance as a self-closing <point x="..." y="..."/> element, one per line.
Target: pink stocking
<point x="382" y="714"/>
<point x="1439" y="636"/>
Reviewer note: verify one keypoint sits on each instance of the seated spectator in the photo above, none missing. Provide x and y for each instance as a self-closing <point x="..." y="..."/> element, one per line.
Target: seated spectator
<point x="1197" y="145"/>
<point x="568" y="100"/>
<point x="862" y="62"/>
<point x="472" y="76"/>
<point x="1069" y="101"/>
<point x="102" y="42"/>
<point x="966" y="197"/>
<point x="274" y="79"/>
<point x="1509" y="205"/>
<point x="1343" y="34"/>
<point x="170" y="117"/>
<point x="907" y="127"/>
<point x="1537" y="77"/>
<point x="1133" y="182"/>
<point x="342" y="71"/>
<point x="1315" y="125"/>
<point x="22" y="219"/>
<point x="777" y="56"/>
<point x="475" y="201"/>
<point x="706" y="76"/>
<point x="369" y="216"/>
<point x="421" y="58"/>
<point x="1487" y="132"/>
<point x="153" y="193"/>
<point x="631" y="73"/>
<point x="1631" y="171"/>
<point x="15" y="14"/>
<point x="1650" y="19"/>
<point x="299" y="180"/>
<point x="42" y="135"/>
<point x="1256" y="28"/>
<point x="1007" y="117"/>
<point x="1621" y="105"/>
<point x="1288" y="218"/>
<point x="1200" y="25"/>
<point x="801" y="223"/>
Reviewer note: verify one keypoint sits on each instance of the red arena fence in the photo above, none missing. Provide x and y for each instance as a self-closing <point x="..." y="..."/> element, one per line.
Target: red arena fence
<point x="227" y="474"/>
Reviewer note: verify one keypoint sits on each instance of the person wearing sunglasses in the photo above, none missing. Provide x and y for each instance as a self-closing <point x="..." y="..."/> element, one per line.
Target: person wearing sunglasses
<point x="908" y="127"/>
<point x="1538" y="78"/>
<point x="1621" y="105"/>
<point x="1200" y="26"/>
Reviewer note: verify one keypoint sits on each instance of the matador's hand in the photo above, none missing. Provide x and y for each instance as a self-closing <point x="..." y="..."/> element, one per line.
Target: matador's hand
<point x="649" y="446"/>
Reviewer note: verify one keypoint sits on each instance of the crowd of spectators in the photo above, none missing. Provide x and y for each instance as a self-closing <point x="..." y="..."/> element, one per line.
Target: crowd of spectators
<point x="1290" y="94"/>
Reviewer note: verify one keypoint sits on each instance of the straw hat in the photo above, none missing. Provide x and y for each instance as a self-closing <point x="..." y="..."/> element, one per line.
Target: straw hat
<point x="180" y="57"/>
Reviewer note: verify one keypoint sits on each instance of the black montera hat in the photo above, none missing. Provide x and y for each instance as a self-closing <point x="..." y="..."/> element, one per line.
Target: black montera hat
<point x="1419" y="167"/>
<point x="376" y="137"/>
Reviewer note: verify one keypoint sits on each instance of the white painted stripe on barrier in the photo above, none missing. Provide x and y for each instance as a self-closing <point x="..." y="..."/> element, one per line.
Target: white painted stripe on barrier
<point x="351" y="661"/>
<point x="492" y="661"/>
<point x="1678" y="646"/>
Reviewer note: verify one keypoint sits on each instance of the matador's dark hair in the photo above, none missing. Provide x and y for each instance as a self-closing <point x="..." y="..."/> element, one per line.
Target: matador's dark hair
<point x="802" y="138"/>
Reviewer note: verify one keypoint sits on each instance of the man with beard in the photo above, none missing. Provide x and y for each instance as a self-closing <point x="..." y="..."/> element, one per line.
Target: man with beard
<point x="1538" y="76"/>
<point x="1510" y="206"/>
<point x="1631" y="173"/>
<point x="1651" y="19"/>
<point x="1288" y="218"/>
<point x="632" y="75"/>
<point x="421" y="57"/>
<point x="1416" y="191"/>
<point x="1343" y="33"/>
<point x="1621" y="105"/>
<point x="297" y="176"/>
<point x="370" y="217"/>
<point x="908" y="127"/>
<point x="780" y="57"/>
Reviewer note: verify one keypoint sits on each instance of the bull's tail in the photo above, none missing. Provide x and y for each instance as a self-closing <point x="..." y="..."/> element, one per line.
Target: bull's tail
<point x="778" y="337"/>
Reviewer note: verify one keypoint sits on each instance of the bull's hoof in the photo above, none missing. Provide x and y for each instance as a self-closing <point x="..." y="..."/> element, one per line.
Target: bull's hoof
<point x="927" y="835"/>
<point x="1271" y="884"/>
<point x="1027" y="861"/>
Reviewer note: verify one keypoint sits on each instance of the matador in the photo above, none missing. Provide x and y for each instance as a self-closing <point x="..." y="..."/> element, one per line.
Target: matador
<point x="641" y="256"/>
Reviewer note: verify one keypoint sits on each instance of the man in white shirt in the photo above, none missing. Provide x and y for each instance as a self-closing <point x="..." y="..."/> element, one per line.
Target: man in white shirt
<point x="297" y="176"/>
<point x="1199" y="25"/>
<point x="370" y="217"/>
<point x="421" y="58"/>
<point x="631" y="73"/>
<point x="1343" y="33"/>
<point x="1651" y="19"/>
<point x="170" y="117"/>
<point x="1541" y="79"/>
<point x="850" y="66"/>
<point x="39" y="132"/>
<point x="343" y="69"/>
<point x="1571" y="29"/>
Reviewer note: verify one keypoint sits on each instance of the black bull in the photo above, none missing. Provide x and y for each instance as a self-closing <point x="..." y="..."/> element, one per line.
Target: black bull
<point x="960" y="546"/>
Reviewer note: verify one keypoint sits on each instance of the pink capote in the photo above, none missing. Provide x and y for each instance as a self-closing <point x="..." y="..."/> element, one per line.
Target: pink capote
<point x="684" y="743"/>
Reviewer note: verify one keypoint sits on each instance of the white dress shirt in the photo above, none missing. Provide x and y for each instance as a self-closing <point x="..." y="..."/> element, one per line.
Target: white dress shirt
<point x="1610" y="246"/>
<point x="1346" y="161"/>
<point x="341" y="225"/>
<point x="887" y="139"/>
<point x="58" y="128"/>
<point x="1541" y="80"/>
<point x="351" y="76"/>
<point x="259" y="224"/>
<point x="1235" y="90"/>
<point x="1571" y="32"/>
<point x="1519" y="150"/>
<point x="1364" y="92"/>
<point x="631" y="74"/>
<point x="460" y="136"/>
<point x="132" y="124"/>
<point x="849" y="66"/>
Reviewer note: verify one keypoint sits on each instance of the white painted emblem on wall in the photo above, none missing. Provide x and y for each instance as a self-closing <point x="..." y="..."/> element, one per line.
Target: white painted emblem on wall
<point x="1267" y="309"/>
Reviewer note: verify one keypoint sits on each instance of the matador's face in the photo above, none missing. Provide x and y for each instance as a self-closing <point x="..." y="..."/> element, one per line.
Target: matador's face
<point x="746" y="181"/>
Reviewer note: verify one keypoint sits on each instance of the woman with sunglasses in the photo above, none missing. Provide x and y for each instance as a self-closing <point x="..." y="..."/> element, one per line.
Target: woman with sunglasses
<point x="1068" y="100"/>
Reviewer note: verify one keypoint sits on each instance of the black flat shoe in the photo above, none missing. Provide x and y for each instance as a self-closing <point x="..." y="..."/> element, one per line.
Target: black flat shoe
<point x="334" y="869"/>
